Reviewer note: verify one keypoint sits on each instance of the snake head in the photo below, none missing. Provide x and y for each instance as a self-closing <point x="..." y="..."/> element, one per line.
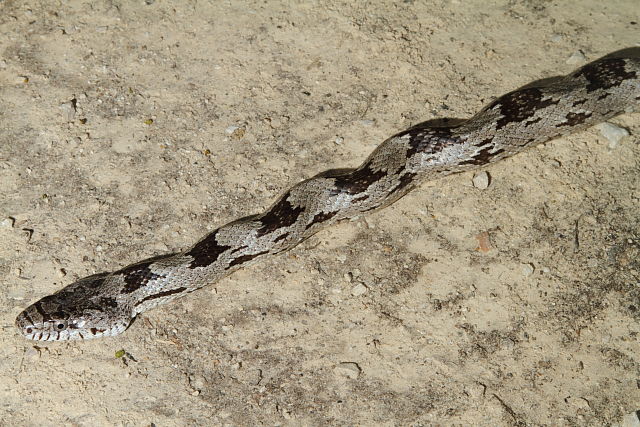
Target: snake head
<point x="75" y="312"/>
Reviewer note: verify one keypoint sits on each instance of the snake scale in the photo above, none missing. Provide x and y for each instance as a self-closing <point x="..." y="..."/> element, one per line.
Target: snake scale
<point x="105" y="304"/>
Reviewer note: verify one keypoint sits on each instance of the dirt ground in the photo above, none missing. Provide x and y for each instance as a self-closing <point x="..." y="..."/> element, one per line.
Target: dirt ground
<point x="132" y="129"/>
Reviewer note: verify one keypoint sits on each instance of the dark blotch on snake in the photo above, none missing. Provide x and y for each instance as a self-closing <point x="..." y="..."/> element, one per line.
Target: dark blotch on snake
<point x="575" y="119"/>
<point x="483" y="157"/>
<point x="605" y="74"/>
<point x="282" y="214"/>
<point x="579" y="102"/>
<point x="162" y="294"/>
<point x="206" y="251"/>
<point x="405" y="180"/>
<point x="428" y="140"/>
<point x="245" y="258"/>
<point x="358" y="181"/>
<point x="321" y="217"/>
<point x="518" y="106"/>
<point x="138" y="275"/>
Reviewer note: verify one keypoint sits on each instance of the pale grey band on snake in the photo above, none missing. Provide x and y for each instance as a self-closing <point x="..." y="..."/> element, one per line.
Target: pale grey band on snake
<point x="105" y="304"/>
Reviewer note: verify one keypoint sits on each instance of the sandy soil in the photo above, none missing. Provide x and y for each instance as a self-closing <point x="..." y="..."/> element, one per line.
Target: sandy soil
<point x="190" y="114"/>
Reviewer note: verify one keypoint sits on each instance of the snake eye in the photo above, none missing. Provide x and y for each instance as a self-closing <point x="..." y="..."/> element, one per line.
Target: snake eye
<point x="29" y="330"/>
<point x="60" y="326"/>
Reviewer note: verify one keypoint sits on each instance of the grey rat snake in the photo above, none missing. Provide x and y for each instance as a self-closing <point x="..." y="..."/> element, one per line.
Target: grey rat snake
<point x="105" y="304"/>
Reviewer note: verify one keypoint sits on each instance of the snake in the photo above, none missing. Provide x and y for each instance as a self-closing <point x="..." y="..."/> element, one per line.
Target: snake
<point x="106" y="304"/>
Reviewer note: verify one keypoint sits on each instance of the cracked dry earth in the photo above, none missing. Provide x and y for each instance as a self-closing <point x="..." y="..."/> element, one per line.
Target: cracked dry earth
<point x="132" y="129"/>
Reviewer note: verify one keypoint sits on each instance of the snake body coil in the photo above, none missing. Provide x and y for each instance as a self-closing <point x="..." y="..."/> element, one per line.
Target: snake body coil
<point x="105" y="304"/>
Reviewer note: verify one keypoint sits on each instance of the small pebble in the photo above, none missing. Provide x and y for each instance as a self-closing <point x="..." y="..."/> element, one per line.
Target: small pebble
<point x="339" y="140"/>
<point x="577" y="402"/>
<point x="476" y="391"/>
<point x="348" y="369"/>
<point x="481" y="180"/>
<point x="231" y="129"/>
<point x="367" y="122"/>
<point x="198" y="383"/>
<point x="556" y="38"/>
<point x="358" y="290"/>
<point x="613" y="133"/>
<point x="68" y="111"/>
<point x="236" y="132"/>
<point x="577" y="58"/>
<point x="631" y="420"/>
<point x="7" y="223"/>
<point x="528" y="269"/>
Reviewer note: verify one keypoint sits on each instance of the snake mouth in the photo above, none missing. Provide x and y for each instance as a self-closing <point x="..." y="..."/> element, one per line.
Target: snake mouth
<point x="63" y="330"/>
<point x="42" y="331"/>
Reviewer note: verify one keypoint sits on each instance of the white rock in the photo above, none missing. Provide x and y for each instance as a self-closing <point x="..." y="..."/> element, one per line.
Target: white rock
<point x="631" y="420"/>
<point x="577" y="58"/>
<point x="68" y="111"/>
<point x="358" y="290"/>
<point x="481" y="180"/>
<point x="613" y="133"/>
<point x="348" y="369"/>
<point x="556" y="38"/>
<point x="339" y="140"/>
<point x="231" y="129"/>
<point x="528" y="269"/>
<point x="7" y="223"/>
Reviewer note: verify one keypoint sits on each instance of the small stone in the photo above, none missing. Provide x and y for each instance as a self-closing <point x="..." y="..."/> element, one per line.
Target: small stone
<point x="236" y="132"/>
<point x="198" y="383"/>
<point x="68" y="110"/>
<point x="577" y="402"/>
<point x="231" y="129"/>
<point x="7" y="223"/>
<point x="631" y="420"/>
<point x="556" y="38"/>
<point x="367" y="122"/>
<point x="613" y="133"/>
<point x="476" y="390"/>
<point x="339" y="140"/>
<point x="481" y="180"/>
<point x="528" y="269"/>
<point x="350" y="370"/>
<point x="358" y="290"/>
<point x="577" y="58"/>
